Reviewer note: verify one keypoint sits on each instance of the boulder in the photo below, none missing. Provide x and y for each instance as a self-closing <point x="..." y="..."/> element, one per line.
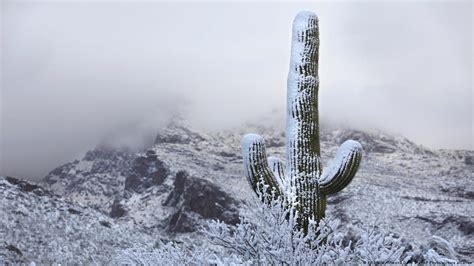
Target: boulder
<point x="117" y="209"/>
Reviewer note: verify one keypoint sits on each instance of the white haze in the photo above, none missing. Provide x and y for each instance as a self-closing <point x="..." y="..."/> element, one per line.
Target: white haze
<point x="78" y="74"/>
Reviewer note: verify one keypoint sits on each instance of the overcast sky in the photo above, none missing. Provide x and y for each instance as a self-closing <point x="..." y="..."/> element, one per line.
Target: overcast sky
<point x="76" y="74"/>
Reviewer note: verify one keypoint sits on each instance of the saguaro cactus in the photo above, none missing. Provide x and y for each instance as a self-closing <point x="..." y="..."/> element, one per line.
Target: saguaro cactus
<point x="303" y="183"/>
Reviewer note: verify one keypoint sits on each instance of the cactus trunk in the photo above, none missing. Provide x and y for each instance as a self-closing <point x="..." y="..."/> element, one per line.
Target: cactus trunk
<point x="302" y="128"/>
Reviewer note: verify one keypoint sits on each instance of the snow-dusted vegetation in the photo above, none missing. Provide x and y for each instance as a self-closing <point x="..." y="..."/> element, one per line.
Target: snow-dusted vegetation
<point x="38" y="226"/>
<point x="268" y="234"/>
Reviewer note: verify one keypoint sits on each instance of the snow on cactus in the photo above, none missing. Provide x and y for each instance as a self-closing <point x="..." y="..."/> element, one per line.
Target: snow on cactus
<point x="303" y="183"/>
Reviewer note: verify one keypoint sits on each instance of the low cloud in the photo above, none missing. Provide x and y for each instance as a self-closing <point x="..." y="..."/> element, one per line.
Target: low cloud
<point x="79" y="74"/>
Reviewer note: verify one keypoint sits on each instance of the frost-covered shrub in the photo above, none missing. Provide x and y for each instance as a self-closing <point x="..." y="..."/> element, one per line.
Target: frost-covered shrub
<point x="377" y="247"/>
<point x="266" y="234"/>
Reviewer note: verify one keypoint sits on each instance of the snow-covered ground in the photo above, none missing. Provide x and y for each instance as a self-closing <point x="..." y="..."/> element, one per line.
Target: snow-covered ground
<point x="36" y="225"/>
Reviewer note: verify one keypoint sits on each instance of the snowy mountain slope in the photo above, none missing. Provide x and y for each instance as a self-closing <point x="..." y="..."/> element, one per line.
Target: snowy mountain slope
<point x="401" y="187"/>
<point x="95" y="179"/>
<point x="141" y="183"/>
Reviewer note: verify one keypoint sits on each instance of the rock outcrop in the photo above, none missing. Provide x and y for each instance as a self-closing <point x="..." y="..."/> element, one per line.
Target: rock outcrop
<point x="146" y="171"/>
<point x="194" y="196"/>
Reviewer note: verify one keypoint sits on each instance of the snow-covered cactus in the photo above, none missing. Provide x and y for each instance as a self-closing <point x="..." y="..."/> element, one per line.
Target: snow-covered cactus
<point x="303" y="183"/>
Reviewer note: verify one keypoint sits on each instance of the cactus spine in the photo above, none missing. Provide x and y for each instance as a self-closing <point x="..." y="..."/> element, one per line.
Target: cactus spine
<point x="303" y="183"/>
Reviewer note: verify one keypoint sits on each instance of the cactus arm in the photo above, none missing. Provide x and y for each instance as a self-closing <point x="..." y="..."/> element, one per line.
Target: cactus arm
<point x="342" y="169"/>
<point x="256" y="167"/>
<point x="278" y="169"/>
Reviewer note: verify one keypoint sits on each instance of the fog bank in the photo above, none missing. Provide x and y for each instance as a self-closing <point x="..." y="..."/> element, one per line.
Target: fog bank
<point x="78" y="74"/>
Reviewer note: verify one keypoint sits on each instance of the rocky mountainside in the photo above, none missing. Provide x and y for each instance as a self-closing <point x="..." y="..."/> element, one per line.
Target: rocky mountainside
<point x="159" y="188"/>
<point x="189" y="176"/>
